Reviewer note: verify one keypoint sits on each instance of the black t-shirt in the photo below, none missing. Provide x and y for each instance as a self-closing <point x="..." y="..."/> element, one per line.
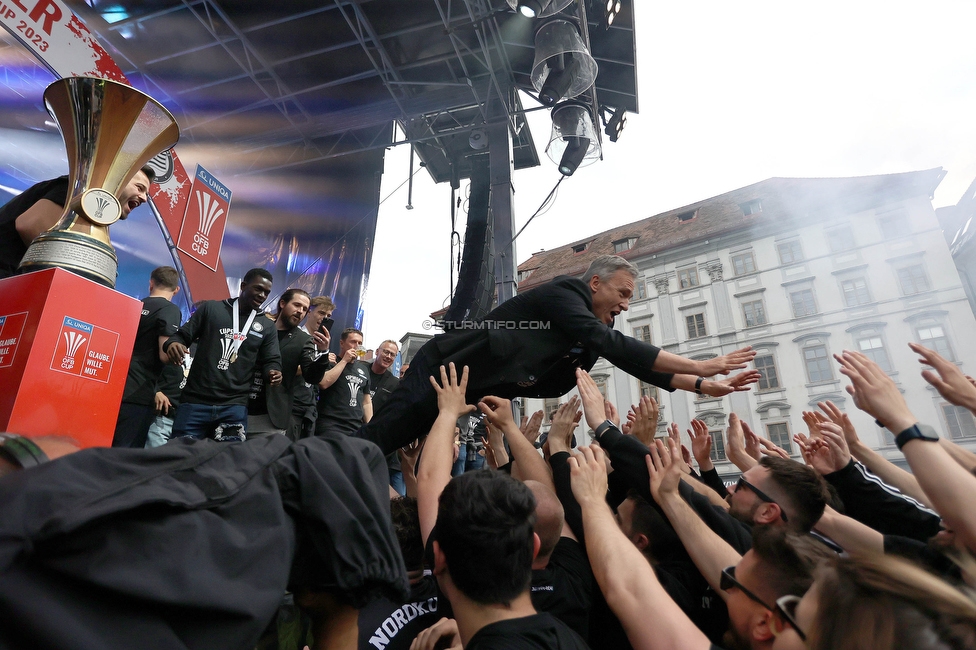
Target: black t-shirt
<point x="385" y="624"/>
<point x="160" y="317"/>
<point x="564" y="587"/>
<point x="212" y="326"/>
<point x="536" y="632"/>
<point x="381" y="387"/>
<point x="341" y="404"/>
<point x="171" y="382"/>
<point x="12" y="247"/>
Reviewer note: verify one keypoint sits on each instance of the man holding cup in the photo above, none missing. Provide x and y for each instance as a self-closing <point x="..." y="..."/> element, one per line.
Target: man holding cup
<point x="344" y="400"/>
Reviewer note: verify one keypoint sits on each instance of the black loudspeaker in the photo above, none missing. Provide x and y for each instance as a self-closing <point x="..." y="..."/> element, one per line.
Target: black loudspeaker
<point x="475" y="289"/>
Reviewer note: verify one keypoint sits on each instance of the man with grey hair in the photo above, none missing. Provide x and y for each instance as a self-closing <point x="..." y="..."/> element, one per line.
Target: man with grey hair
<point x="531" y="346"/>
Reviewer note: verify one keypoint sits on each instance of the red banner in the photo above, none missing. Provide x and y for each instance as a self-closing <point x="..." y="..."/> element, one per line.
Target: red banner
<point x="206" y="215"/>
<point x="64" y="44"/>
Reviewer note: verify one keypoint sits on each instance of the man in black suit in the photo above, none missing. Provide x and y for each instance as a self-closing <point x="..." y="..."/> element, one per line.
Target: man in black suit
<point x="269" y="408"/>
<point x="531" y="346"/>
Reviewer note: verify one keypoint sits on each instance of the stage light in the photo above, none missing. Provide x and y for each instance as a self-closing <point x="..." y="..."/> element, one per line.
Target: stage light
<point x="610" y="11"/>
<point x="538" y="8"/>
<point x="573" y="142"/>
<point x="616" y="123"/>
<point x="563" y="66"/>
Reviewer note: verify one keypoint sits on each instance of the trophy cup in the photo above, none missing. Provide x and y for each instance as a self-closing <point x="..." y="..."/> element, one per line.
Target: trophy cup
<point x="110" y="131"/>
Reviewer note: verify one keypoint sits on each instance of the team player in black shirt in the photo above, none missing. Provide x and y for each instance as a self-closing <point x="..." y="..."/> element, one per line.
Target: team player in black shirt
<point x="344" y="399"/>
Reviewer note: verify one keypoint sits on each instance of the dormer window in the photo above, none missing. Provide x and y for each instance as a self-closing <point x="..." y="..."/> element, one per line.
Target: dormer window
<point x="579" y="248"/>
<point x="752" y="207"/>
<point x="687" y="216"/>
<point x="621" y="245"/>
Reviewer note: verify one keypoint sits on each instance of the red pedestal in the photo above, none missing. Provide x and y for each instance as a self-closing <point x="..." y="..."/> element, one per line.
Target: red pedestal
<point x="65" y="347"/>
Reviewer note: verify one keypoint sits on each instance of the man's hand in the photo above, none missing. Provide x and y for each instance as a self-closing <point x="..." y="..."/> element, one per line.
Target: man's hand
<point x="564" y="422"/>
<point x="350" y="356"/>
<point x="450" y="392"/>
<point x="530" y="426"/>
<point x="665" y="472"/>
<point x="726" y="363"/>
<point x="874" y="392"/>
<point x="829" y="453"/>
<point x="701" y="445"/>
<point x="442" y="635"/>
<point x="322" y="341"/>
<point x="771" y="449"/>
<point x="644" y="425"/>
<point x="588" y="475"/>
<point x="737" y="383"/>
<point x="176" y="351"/>
<point x="840" y="418"/>
<point x="162" y="404"/>
<point x="409" y="455"/>
<point x="274" y="377"/>
<point x="948" y="379"/>
<point x="498" y="412"/>
<point x="332" y="358"/>
<point x="735" y="444"/>
<point x="813" y="420"/>
<point x="593" y="409"/>
<point x="752" y="445"/>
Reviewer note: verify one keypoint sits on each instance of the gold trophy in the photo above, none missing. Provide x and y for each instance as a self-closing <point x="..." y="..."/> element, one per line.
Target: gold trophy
<point x="110" y="131"/>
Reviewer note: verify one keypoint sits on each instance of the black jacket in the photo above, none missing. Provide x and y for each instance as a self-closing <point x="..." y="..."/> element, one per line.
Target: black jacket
<point x="297" y="351"/>
<point x="192" y="544"/>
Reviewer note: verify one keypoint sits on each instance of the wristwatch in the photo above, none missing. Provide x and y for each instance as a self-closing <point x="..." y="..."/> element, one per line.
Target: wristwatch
<point x="602" y="427"/>
<point x="916" y="431"/>
<point x="698" y="384"/>
<point x="22" y="452"/>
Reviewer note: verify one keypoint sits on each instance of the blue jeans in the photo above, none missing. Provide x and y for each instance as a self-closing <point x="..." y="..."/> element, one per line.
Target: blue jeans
<point x="468" y="459"/>
<point x="160" y="431"/>
<point x="227" y="422"/>
<point x="396" y="482"/>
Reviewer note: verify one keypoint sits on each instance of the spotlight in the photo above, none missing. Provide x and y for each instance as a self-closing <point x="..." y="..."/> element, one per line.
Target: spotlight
<point x="616" y="124"/>
<point x="538" y="8"/>
<point x="563" y="66"/>
<point x="573" y="142"/>
<point x="610" y="11"/>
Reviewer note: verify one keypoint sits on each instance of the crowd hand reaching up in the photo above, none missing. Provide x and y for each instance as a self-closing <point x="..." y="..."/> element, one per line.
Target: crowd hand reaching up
<point x="664" y="467"/>
<point x="772" y="449"/>
<point x="564" y="422"/>
<point x="737" y="383"/>
<point x="588" y="475"/>
<point x="450" y="391"/>
<point x="684" y="458"/>
<point x="442" y="635"/>
<point x="593" y="408"/>
<point x="726" y="363"/>
<point x="644" y="425"/>
<point x="829" y="453"/>
<point x="530" y="426"/>
<point x="947" y="378"/>
<point x="498" y="412"/>
<point x="751" y="442"/>
<point x="496" y="444"/>
<point x="735" y="445"/>
<point x="611" y="412"/>
<point x="408" y="455"/>
<point x="813" y="420"/>
<point x="701" y="445"/>
<point x="840" y="418"/>
<point x="874" y="392"/>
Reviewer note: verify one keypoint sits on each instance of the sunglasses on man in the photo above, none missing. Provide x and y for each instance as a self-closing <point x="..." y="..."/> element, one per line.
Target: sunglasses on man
<point x="743" y="483"/>
<point x="785" y="606"/>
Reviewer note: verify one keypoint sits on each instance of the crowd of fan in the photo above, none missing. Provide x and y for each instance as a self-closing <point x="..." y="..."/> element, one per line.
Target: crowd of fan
<point x="627" y="545"/>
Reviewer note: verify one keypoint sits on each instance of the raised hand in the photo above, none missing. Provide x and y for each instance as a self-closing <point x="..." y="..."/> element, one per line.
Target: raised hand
<point x="498" y="412"/>
<point x="664" y="471"/>
<point x="840" y="418"/>
<point x="644" y="425"/>
<point x="530" y="426"/>
<point x="564" y="422"/>
<point x="752" y="444"/>
<point x="701" y="444"/>
<point x="955" y="387"/>
<point x="611" y="412"/>
<point x="813" y="420"/>
<point x="874" y="392"/>
<point x="450" y="392"/>
<point x="593" y="409"/>
<point x="738" y="383"/>
<point x="588" y="475"/>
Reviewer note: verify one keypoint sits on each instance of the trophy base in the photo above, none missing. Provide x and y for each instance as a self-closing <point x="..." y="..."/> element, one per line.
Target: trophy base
<point x="75" y="252"/>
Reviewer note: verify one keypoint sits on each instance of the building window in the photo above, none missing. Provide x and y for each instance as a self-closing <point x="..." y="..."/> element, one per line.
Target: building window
<point x="766" y="365"/>
<point x="873" y="348"/>
<point x="934" y="338"/>
<point x="696" y="325"/>
<point x="840" y="239"/>
<point x="640" y="292"/>
<point x="622" y="245"/>
<point x="643" y="333"/>
<point x="790" y="252"/>
<point x="647" y="390"/>
<point x="579" y="248"/>
<point x="718" y="447"/>
<point x="744" y="263"/>
<point x="549" y="408"/>
<point x="754" y="313"/>
<point x="912" y="280"/>
<point x="817" y="362"/>
<point x="959" y="422"/>
<point x="803" y="303"/>
<point x="524" y="274"/>
<point x="687" y="278"/>
<point x="752" y="207"/>
<point x="687" y="216"/>
<point x="894" y="225"/>
<point x="855" y="292"/>
<point x="779" y="435"/>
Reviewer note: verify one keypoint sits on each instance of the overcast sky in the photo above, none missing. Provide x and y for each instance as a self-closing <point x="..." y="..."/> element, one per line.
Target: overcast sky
<point x="730" y="94"/>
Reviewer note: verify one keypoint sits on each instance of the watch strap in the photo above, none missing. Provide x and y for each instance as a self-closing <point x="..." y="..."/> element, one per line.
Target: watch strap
<point x="22" y="452"/>
<point x="916" y="432"/>
<point x="602" y="428"/>
<point x="698" y="383"/>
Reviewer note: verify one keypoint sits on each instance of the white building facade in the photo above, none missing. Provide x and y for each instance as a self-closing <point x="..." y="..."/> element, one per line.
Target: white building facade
<point x="800" y="269"/>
